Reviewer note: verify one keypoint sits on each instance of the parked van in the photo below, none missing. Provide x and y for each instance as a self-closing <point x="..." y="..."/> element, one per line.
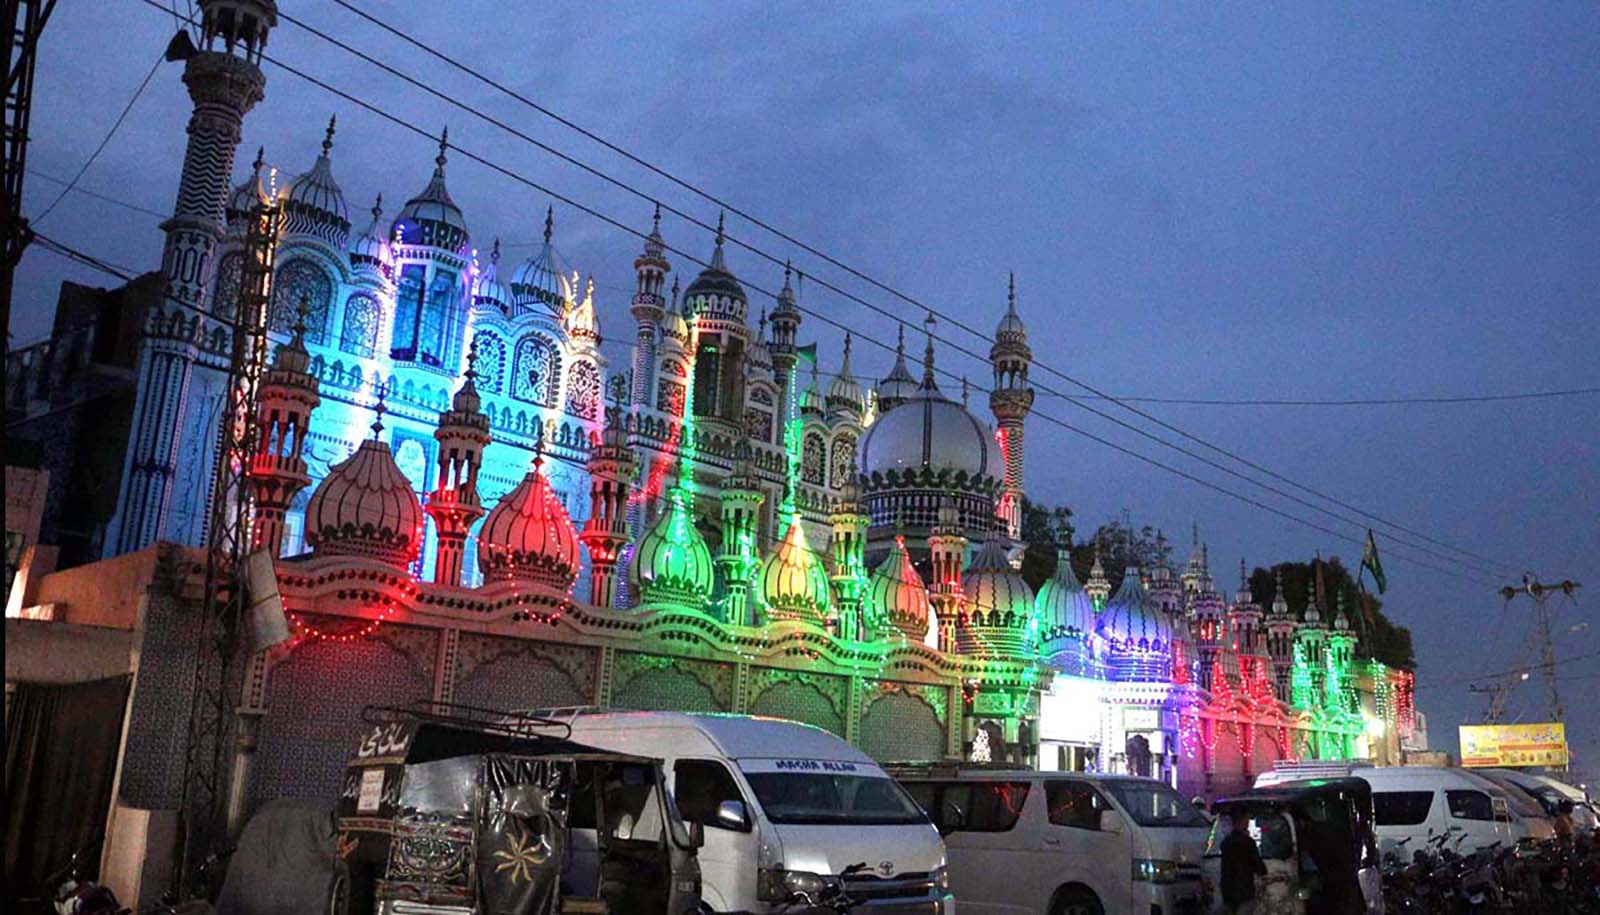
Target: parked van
<point x="1418" y="802"/>
<point x="788" y="809"/>
<point x="1550" y="792"/>
<point x="1063" y="842"/>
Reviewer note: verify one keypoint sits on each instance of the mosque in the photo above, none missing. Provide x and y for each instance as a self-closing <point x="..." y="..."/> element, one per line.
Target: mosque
<point x="468" y="503"/>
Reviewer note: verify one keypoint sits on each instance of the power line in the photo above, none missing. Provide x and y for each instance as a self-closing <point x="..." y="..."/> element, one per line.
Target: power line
<point x="96" y="194"/>
<point x="774" y="259"/>
<point x="49" y="244"/>
<point x="700" y="192"/>
<point x="1355" y="402"/>
<point x="407" y="124"/>
<point x="1502" y="673"/>
<point x="104" y="140"/>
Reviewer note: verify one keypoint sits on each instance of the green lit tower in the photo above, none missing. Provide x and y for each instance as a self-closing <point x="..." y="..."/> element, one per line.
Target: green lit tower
<point x="848" y="547"/>
<point x="741" y="513"/>
<point x="1280" y="641"/>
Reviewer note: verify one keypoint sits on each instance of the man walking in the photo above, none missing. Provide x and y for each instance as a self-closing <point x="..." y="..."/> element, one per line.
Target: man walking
<point x="1241" y="864"/>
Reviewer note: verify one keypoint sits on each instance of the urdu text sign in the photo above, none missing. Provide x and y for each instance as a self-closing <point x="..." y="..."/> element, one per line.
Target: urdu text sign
<point x="1488" y="745"/>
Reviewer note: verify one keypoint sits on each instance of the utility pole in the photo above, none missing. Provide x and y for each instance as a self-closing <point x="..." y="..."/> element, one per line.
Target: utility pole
<point x="27" y="21"/>
<point x="1543" y="643"/>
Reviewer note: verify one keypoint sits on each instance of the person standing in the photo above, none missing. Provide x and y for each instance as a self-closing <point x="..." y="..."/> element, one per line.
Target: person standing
<point x="1241" y="864"/>
<point x="1562" y="821"/>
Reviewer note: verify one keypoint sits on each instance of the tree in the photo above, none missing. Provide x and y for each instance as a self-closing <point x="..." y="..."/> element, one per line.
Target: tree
<point x="1380" y="638"/>
<point x="1044" y="530"/>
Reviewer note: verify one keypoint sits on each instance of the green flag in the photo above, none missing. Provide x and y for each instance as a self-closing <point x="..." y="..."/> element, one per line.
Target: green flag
<point x="1370" y="562"/>
<point x="807" y="352"/>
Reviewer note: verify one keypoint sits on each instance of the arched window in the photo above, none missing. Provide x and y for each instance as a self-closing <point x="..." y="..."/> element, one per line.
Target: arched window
<point x="423" y="310"/>
<point x="842" y="466"/>
<point x="811" y="459"/>
<point x="583" y="391"/>
<point x="301" y="280"/>
<point x="432" y="335"/>
<point x="534" y="371"/>
<point x="226" y="300"/>
<point x="491" y="363"/>
<point x="359" y="335"/>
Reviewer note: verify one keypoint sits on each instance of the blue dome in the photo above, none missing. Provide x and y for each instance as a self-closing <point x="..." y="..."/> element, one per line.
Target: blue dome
<point x="1065" y="612"/>
<point x="313" y="204"/>
<point x="1138" y="635"/>
<point x="541" y="280"/>
<point x="997" y="617"/>
<point x="432" y="218"/>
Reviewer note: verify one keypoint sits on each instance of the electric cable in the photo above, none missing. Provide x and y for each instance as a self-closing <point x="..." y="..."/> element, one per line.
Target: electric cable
<point x="426" y="48"/>
<point x="103" y="141"/>
<point x="95" y="194"/>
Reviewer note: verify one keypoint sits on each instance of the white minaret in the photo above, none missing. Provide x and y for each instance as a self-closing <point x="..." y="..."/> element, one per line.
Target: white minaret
<point x="1010" y="400"/>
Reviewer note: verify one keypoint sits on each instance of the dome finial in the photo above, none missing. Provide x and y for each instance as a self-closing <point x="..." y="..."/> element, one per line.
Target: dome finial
<point x="538" y="450"/>
<point x="378" y="409"/>
<point x="717" y="260"/>
<point x="439" y="160"/>
<point x="1011" y="306"/>
<point x="655" y="222"/>
<point x="327" y="138"/>
<point x="844" y="367"/>
<point x="471" y="373"/>
<point x="928" y="324"/>
<point x="494" y="258"/>
<point x="377" y="209"/>
<point x="300" y="313"/>
<point x="966" y="392"/>
<point x="261" y="157"/>
<point x="674" y="293"/>
<point x="549" y="223"/>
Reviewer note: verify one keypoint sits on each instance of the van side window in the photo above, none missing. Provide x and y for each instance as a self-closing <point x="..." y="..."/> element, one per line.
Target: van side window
<point x="1470" y="805"/>
<point x="699" y="785"/>
<point x="982" y="806"/>
<point x="1073" y="804"/>
<point x="1401" y="808"/>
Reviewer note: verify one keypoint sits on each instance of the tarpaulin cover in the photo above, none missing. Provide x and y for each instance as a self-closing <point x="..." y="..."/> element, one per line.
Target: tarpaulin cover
<point x="284" y="863"/>
<point x="522" y="844"/>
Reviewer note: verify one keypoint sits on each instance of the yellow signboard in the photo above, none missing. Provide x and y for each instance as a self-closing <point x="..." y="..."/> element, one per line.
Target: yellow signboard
<point x="1487" y="745"/>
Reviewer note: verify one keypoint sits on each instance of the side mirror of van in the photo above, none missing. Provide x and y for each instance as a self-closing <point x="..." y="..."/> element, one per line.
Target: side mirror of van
<point x="1110" y="821"/>
<point x="731" y="815"/>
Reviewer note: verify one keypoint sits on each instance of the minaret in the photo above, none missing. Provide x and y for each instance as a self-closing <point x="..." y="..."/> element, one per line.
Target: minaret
<point x="1341" y="656"/>
<point x="1010" y="401"/>
<point x="785" y="324"/>
<point x="225" y="81"/>
<point x="741" y="515"/>
<point x="1246" y="617"/>
<point x="1206" y="611"/>
<point x="287" y="397"/>
<point x="1098" y="587"/>
<point x="1194" y="575"/>
<point x="947" y="550"/>
<point x="1280" y="640"/>
<point x="611" y="467"/>
<point x="648" y="308"/>
<point x="1310" y="646"/>
<point x="848" y="546"/>
<point x="454" y="504"/>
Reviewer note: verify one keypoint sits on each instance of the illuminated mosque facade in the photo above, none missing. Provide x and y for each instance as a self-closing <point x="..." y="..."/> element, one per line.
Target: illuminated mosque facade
<point x="470" y="504"/>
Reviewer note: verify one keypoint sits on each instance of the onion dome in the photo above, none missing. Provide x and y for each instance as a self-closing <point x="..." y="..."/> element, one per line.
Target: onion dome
<point x="1011" y="333"/>
<point x="1341" y="622"/>
<point x="487" y="290"/>
<point x="540" y="280"/>
<point x="1280" y="603"/>
<point x="1138" y="636"/>
<point x="811" y="397"/>
<point x="792" y="581"/>
<point x="898" y="386"/>
<point x="313" y="203"/>
<point x="247" y="196"/>
<point x="896" y="595"/>
<point x="844" y="393"/>
<point x="528" y="536"/>
<point x="672" y="563"/>
<point x="1313" y="617"/>
<point x="1065" y="613"/>
<point x="583" y="321"/>
<point x="715" y="293"/>
<point x="929" y="433"/>
<point x="371" y="248"/>
<point x="366" y="507"/>
<point x="432" y="218"/>
<point x="997" y="608"/>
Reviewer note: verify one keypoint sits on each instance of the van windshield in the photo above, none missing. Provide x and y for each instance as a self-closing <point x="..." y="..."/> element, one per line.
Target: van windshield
<point x="817" y="798"/>
<point x="1151" y="803"/>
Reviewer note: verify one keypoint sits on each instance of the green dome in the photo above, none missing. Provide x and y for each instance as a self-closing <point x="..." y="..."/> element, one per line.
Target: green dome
<point x="792" y="582"/>
<point x="897" y="600"/>
<point x="672" y="564"/>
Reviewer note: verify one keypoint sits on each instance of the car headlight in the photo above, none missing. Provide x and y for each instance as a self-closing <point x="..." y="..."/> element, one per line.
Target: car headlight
<point x="1155" y="870"/>
<point x="941" y="878"/>
<point x="777" y="885"/>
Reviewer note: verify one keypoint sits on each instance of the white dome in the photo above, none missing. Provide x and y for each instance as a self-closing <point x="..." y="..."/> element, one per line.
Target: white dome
<point x="997" y="607"/>
<point x="928" y="432"/>
<point x="896" y="597"/>
<point x="366" y="507"/>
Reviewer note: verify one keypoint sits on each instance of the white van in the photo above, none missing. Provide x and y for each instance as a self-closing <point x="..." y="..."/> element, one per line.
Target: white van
<point x="787" y="808"/>
<point x="1416" y="803"/>
<point x="1550" y="792"/>
<point x="1063" y="842"/>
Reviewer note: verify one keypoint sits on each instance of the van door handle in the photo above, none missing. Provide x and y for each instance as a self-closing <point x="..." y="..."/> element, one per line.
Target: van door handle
<point x="1052" y="841"/>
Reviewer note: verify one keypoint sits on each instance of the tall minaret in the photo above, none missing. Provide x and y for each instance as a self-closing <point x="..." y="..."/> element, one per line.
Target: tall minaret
<point x="1010" y="401"/>
<point x="947" y="550"/>
<point x="785" y="324"/>
<point x="463" y="433"/>
<point x="225" y="81"/>
<point x="1281" y="629"/>
<point x="611" y="470"/>
<point x="648" y="308"/>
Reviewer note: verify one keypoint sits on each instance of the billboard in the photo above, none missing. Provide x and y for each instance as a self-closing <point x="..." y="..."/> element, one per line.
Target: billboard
<point x="1486" y="745"/>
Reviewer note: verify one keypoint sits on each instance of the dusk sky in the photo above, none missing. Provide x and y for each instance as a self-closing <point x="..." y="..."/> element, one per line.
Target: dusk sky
<point x="1274" y="201"/>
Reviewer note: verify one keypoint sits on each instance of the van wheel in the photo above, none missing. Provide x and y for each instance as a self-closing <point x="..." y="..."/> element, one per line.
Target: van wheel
<point x="1077" y="901"/>
<point x="339" y="890"/>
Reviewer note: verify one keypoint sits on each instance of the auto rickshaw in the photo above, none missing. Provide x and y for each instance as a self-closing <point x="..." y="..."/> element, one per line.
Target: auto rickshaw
<point x="454" y="810"/>
<point x="1316" y="841"/>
